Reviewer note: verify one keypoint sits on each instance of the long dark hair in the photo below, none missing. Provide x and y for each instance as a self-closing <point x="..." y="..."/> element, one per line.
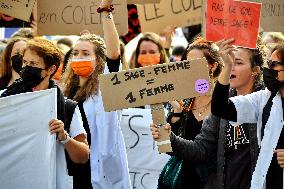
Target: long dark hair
<point x="6" y="71"/>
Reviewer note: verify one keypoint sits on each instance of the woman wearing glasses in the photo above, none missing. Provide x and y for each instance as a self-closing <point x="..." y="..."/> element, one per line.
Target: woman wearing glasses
<point x="264" y="107"/>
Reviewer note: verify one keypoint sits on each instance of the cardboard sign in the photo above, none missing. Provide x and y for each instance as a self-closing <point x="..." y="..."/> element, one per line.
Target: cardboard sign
<point x="272" y="15"/>
<point x="233" y="19"/>
<point x="11" y="22"/>
<point x="156" y="84"/>
<point x="180" y="13"/>
<point x="21" y="9"/>
<point x="142" y="1"/>
<point x="70" y="17"/>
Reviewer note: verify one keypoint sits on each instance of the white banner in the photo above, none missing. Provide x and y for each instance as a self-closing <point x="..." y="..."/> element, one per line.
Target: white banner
<point x="27" y="153"/>
<point x="144" y="161"/>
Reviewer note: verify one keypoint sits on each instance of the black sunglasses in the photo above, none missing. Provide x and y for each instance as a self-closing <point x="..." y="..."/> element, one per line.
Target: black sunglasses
<point x="272" y="63"/>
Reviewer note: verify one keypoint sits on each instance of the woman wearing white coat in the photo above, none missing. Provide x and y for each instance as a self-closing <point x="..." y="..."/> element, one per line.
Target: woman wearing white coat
<point x="108" y="167"/>
<point x="259" y="107"/>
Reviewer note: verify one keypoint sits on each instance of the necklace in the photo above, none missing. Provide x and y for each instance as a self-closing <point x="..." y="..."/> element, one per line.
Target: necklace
<point x="203" y="110"/>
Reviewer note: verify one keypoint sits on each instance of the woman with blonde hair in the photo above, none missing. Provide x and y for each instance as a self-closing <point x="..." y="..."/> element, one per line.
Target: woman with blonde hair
<point x="108" y="166"/>
<point x="149" y="51"/>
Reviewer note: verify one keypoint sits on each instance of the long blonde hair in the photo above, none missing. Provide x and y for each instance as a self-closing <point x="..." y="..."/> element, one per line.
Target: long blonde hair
<point x="71" y="80"/>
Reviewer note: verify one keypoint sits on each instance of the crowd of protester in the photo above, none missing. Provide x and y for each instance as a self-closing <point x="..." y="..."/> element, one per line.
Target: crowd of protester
<point x="221" y="140"/>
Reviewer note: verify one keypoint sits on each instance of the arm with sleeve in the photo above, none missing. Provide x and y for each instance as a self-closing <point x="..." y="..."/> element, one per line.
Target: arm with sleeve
<point x="202" y="146"/>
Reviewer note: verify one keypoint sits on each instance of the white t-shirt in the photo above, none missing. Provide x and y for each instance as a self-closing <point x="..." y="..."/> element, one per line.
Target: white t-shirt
<point x="63" y="180"/>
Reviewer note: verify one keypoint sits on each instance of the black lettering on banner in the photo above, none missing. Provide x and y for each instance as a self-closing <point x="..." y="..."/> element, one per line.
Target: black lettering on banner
<point x="134" y="178"/>
<point x="43" y="18"/>
<point x="155" y="16"/>
<point x="156" y="90"/>
<point x="156" y="11"/>
<point x="246" y="11"/>
<point x="179" y="65"/>
<point x="240" y="23"/>
<point x="188" y="7"/>
<point x="196" y="7"/>
<point x="150" y="81"/>
<point x="130" y="98"/>
<point x="171" y="67"/>
<point x="79" y="15"/>
<point x="62" y="14"/>
<point x="219" y="21"/>
<point x="142" y="178"/>
<point x="173" y="10"/>
<point x="232" y="9"/>
<point x="130" y="127"/>
<point x="218" y="7"/>
<point x="187" y="65"/>
<point x="149" y="92"/>
<point x="93" y="12"/>
<point x="4" y="6"/>
<point x="272" y="9"/>
<point x="164" y="69"/>
<point x="134" y="75"/>
<point x="115" y="79"/>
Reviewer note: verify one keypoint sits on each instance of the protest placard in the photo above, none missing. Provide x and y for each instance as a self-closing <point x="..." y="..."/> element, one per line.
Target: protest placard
<point x="155" y="84"/>
<point x="142" y="1"/>
<point x="272" y="15"/>
<point x="233" y="19"/>
<point x="21" y="9"/>
<point x="70" y="17"/>
<point x="28" y="150"/>
<point x="139" y="143"/>
<point x="180" y="13"/>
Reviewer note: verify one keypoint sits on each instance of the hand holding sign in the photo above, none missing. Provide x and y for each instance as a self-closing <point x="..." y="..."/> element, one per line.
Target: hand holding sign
<point x="226" y="51"/>
<point x="156" y="131"/>
<point x="106" y="3"/>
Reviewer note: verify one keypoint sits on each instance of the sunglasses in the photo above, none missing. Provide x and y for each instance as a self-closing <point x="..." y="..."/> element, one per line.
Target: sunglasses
<point x="271" y="63"/>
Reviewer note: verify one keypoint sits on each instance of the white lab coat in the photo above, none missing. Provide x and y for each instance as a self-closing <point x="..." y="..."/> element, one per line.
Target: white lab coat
<point x="109" y="167"/>
<point x="249" y="110"/>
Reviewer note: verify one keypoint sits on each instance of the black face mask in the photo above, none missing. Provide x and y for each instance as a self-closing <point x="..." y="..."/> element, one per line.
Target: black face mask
<point x="17" y="62"/>
<point x="31" y="76"/>
<point x="271" y="81"/>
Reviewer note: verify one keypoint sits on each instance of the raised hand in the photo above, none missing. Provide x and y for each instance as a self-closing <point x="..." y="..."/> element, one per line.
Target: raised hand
<point x="226" y="50"/>
<point x="105" y="3"/>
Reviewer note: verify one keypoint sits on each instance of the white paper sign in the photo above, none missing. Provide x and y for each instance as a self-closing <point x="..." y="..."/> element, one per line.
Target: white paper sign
<point x="144" y="161"/>
<point x="27" y="153"/>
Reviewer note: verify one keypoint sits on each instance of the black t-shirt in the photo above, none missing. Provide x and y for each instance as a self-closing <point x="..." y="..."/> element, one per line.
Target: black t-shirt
<point x="4" y="83"/>
<point x="222" y="107"/>
<point x="237" y="158"/>
<point x="188" y="127"/>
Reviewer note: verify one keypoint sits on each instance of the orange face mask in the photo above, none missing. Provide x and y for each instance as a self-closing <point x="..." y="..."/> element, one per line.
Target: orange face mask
<point x="82" y="67"/>
<point x="148" y="59"/>
<point x="58" y="73"/>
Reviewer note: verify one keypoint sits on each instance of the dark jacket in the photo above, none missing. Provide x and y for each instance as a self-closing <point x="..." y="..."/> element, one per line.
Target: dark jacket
<point x="212" y="140"/>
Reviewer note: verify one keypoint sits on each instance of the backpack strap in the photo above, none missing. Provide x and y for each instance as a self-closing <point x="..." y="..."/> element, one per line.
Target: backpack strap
<point x="266" y="112"/>
<point x="70" y="106"/>
<point x="85" y="121"/>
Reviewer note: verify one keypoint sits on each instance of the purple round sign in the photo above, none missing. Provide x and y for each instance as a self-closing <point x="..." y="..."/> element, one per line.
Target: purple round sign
<point x="201" y="86"/>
